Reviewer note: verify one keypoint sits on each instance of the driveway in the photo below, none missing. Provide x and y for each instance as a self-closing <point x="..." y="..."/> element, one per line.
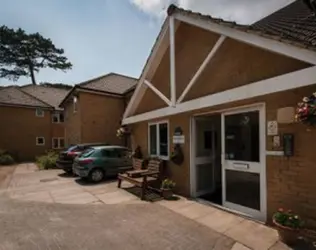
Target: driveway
<point x="48" y="210"/>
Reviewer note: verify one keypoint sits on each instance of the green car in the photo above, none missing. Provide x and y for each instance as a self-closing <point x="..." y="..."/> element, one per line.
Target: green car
<point x="97" y="162"/>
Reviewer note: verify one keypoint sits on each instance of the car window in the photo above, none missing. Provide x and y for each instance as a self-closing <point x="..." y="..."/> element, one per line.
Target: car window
<point x="110" y="153"/>
<point x="124" y="153"/>
<point x="88" y="152"/>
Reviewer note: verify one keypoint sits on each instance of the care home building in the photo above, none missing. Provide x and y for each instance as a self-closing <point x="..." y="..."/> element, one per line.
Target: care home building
<point x="226" y="94"/>
<point x="94" y="109"/>
<point x="31" y="121"/>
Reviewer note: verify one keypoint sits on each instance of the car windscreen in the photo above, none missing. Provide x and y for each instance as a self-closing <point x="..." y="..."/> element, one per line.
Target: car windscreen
<point x="87" y="153"/>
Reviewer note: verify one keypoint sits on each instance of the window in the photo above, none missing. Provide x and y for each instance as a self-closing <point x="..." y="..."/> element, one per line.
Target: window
<point x="158" y="140"/>
<point x="110" y="153"/>
<point x="58" y="118"/>
<point x="40" y="141"/>
<point x="58" y="143"/>
<point x="39" y="112"/>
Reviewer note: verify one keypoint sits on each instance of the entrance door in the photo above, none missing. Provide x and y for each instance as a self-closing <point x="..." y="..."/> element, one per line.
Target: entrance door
<point x="243" y="161"/>
<point x="205" y="136"/>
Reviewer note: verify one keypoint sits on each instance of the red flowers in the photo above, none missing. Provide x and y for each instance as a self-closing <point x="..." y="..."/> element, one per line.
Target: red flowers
<point x="306" y="110"/>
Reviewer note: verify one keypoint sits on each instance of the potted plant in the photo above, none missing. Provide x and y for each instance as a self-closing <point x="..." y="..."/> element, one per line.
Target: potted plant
<point x="167" y="187"/>
<point x="288" y="225"/>
<point x="122" y="131"/>
<point x="306" y="110"/>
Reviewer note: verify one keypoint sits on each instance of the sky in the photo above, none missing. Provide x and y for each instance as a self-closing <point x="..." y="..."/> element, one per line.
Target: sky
<point x="103" y="36"/>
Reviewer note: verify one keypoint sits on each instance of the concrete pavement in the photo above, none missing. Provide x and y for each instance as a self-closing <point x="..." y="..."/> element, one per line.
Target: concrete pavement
<point x="108" y="215"/>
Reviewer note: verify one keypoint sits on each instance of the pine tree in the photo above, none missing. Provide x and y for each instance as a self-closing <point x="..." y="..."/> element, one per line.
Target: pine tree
<point x="24" y="54"/>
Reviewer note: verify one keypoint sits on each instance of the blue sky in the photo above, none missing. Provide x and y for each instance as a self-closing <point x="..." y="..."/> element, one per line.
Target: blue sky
<point x="102" y="36"/>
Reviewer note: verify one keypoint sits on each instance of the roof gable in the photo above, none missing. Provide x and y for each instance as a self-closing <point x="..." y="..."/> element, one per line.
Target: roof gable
<point x="14" y="96"/>
<point x="277" y="43"/>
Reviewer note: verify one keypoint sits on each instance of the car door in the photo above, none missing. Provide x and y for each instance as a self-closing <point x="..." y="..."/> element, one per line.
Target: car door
<point x="111" y="160"/>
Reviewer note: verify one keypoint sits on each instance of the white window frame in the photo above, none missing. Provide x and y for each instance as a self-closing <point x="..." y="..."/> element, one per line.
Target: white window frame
<point x="42" y="114"/>
<point x="58" y="117"/>
<point x="163" y="157"/>
<point x="38" y="144"/>
<point x="58" y="138"/>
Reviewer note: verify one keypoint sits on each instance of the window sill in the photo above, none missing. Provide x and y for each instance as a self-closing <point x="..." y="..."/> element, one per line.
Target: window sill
<point x="165" y="158"/>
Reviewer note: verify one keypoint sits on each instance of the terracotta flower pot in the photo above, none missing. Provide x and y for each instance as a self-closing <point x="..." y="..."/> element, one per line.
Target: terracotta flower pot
<point x="167" y="193"/>
<point x="287" y="235"/>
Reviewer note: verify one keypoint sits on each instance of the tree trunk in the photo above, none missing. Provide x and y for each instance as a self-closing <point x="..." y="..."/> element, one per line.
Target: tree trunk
<point x="32" y="75"/>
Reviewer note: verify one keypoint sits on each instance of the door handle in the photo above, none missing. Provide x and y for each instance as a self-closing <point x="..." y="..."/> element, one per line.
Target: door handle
<point x="240" y="165"/>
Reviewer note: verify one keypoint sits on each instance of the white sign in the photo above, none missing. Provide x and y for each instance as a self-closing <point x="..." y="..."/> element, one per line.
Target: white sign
<point x="272" y="128"/>
<point x="178" y="139"/>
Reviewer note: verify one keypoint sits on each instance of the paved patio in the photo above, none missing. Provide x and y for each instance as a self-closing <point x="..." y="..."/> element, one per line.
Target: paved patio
<point x="182" y="224"/>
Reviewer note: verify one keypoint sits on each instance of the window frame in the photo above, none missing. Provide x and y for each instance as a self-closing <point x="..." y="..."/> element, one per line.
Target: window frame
<point x="39" y="109"/>
<point x="38" y="144"/>
<point x="163" y="157"/>
<point x="58" y="138"/>
<point x="57" y="114"/>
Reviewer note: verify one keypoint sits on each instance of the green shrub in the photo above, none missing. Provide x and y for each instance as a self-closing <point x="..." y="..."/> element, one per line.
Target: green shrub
<point x="6" y="159"/>
<point x="47" y="161"/>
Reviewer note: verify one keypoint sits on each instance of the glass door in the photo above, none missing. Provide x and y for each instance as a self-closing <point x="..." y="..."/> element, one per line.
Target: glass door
<point x="243" y="162"/>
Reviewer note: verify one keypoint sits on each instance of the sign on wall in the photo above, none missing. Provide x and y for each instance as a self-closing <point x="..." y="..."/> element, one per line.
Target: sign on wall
<point x="272" y="128"/>
<point x="178" y="137"/>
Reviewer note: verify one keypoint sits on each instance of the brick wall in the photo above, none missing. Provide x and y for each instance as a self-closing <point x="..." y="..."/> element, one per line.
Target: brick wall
<point x="72" y="122"/>
<point x="100" y="118"/>
<point x="19" y="128"/>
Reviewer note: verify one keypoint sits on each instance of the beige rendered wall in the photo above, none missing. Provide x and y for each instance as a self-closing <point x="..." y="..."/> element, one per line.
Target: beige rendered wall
<point x="19" y="128"/>
<point x="72" y="122"/>
<point x="100" y="118"/>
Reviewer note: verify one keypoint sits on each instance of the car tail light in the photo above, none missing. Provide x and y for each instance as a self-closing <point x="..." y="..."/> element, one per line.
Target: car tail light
<point x="85" y="161"/>
<point x="73" y="154"/>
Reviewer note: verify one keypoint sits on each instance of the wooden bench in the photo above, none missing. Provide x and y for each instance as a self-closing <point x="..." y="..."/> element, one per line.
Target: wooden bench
<point x="138" y="168"/>
<point x="152" y="173"/>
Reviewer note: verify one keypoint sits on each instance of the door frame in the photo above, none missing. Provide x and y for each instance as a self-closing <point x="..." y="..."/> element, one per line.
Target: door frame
<point x="263" y="181"/>
<point x="261" y="215"/>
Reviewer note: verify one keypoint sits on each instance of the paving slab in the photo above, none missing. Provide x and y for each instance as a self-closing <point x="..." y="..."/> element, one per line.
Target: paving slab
<point x="220" y="221"/>
<point x="116" y="197"/>
<point x="253" y="235"/>
<point x="78" y="198"/>
<point x="39" y="196"/>
<point x="195" y="210"/>
<point x="238" y="246"/>
<point x="176" y="204"/>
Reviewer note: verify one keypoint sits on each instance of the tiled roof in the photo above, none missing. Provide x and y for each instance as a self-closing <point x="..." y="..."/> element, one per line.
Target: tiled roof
<point x="50" y="95"/>
<point x="294" y="22"/>
<point x="113" y="83"/>
<point x="14" y="96"/>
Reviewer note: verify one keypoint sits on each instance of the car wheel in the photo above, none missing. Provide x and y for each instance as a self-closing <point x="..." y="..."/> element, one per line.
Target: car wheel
<point x="68" y="171"/>
<point x="96" y="175"/>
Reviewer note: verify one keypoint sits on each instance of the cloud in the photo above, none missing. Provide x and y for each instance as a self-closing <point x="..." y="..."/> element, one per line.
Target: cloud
<point x="241" y="11"/>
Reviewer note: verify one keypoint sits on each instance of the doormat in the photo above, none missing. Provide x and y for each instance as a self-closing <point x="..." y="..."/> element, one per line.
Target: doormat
<point x="49" y="180"/>
<point x="150" y="195"/>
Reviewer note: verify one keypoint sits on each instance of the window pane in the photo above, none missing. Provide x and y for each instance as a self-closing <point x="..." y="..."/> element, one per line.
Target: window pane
<point x="61" y="143"/>
<point x="40" y="140"/>
<point x="55" y="117"/>
<point x="243" y="188"/>
<point x="163" y="139"/>
<point x="242" y="137"/>
<point x="153" y="139"/>
<point x="61" y="117"/>
<point x="55" y="143"/>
